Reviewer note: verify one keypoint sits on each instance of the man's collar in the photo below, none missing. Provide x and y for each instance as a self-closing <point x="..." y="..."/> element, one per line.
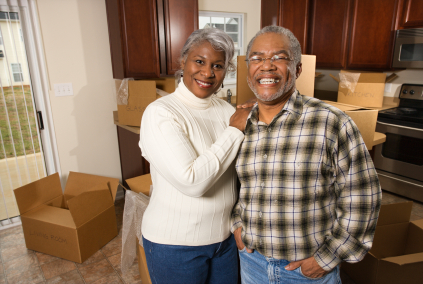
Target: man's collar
<point x="294" y="106"/>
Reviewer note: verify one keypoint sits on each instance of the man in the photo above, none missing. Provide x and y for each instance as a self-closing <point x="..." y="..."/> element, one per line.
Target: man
<point x="310" y="195"/>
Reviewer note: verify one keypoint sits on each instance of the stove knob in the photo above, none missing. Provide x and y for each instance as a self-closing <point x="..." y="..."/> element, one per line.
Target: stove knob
<point x="412" y="92"/>
<point x="404" y="91"/>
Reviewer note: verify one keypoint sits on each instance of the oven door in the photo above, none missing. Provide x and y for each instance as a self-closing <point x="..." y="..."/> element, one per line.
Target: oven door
<point x="402" y="152"/>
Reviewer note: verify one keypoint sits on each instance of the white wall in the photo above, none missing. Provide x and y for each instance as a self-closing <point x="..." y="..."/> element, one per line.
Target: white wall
<point x="411" y="76"/>
<point x="76" y="43"/>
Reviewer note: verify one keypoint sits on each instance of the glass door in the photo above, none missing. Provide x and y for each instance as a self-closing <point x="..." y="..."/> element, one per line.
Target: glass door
<point x="21" y="151"/>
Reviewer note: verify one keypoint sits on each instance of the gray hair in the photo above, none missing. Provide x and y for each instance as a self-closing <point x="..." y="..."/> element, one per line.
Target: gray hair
<point x="293" y="41"/>
<point x="219" y="40"/>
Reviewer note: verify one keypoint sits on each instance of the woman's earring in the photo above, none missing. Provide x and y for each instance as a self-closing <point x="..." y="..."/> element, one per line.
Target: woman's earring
<point x="182" y="74"/>
<point x="222" y="85"/>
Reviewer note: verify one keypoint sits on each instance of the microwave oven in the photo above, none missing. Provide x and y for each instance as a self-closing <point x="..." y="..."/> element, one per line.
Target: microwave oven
<point x="408" y="51"/>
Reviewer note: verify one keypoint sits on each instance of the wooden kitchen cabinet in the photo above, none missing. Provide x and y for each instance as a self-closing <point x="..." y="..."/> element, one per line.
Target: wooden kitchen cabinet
<point x="371" y="34"/>
<point x="343" y="34"/>
<point x="410" y="14"/>
<point x="146" y="36"/>
<point x="329" y="32"/>
<point x="290" y="14"/>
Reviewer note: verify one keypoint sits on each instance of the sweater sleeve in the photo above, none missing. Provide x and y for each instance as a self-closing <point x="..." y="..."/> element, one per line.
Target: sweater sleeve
<point x="167" y="147"/>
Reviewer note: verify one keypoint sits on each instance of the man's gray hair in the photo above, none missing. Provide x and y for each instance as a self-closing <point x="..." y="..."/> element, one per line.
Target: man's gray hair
<point x="294" y="43"/>
<point x="219" y="40"/>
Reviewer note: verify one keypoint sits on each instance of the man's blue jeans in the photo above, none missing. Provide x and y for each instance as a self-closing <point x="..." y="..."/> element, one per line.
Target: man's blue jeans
<point x="215" y="263"/>
<point x="258" y="269"/>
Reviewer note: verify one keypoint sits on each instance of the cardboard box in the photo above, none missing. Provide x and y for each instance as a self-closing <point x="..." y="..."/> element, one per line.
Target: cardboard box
<point x="73" y="225"/>
<point x="362" y="88"/>
<point x="140" y="94"/>
<point x="397" y="252"/>
<point x="304" y="83"/>
<point x="141" y="184"/>
<point x="364" y="118"/>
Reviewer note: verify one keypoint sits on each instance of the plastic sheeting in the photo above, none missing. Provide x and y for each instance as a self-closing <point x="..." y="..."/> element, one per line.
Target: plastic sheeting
<point x="349" y="80"/>
<point x="135" y="206"/>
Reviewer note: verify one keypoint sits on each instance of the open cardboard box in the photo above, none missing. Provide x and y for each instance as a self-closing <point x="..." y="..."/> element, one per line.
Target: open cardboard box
<point x="362" y="88"/>
<point x="141" y="184"/>
<point x="304" y="83"/>
<point x="141" y="93"/>
<point x="73" y="225"/>
<point x="364" y="118"/>
<point x="397" y="252"/>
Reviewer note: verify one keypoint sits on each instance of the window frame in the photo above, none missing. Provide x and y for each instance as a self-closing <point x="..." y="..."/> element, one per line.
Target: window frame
<point x="15" y="73"/>
<point x="241" y="28"/>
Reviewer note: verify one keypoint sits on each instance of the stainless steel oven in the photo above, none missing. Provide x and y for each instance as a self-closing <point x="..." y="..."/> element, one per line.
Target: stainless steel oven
<point x="399" y="161"/>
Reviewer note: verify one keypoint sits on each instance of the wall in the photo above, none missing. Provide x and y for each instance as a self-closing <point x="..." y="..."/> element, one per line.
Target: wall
<point x="76" y="43"/>
<point x="411" y="76"/>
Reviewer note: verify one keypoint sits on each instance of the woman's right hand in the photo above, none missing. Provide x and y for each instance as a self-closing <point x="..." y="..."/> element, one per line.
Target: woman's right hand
<point x="239" y="118"/>
<point x="248" y="104"/>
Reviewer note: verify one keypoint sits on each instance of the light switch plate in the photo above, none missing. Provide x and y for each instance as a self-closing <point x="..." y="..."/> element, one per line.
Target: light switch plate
<point x="64" y="89"/>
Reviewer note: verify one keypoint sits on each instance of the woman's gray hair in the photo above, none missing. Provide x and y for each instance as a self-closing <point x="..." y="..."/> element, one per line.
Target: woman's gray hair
<point x="219" y="40"/>
<point x="295" y="45"/>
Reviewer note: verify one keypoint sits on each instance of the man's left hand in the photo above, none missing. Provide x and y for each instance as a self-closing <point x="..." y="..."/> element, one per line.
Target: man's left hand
<point x="309" y="267"/>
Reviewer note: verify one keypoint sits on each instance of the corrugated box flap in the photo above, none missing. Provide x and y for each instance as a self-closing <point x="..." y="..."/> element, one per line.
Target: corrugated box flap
<point x="39" y="192"/>
<point x="89" y="204"/>
<point x="367" y="77"/>
<point x="140" y="184"/>
<point x="79" y="183"/>
<point x="394" y="213"/>
<point x="52" y="215"/>
<point x="345" y="107"/>
<point x="405" y="259"/>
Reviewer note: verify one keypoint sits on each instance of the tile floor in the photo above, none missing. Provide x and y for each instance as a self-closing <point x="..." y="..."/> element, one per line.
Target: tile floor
<point x="20" y="265"/>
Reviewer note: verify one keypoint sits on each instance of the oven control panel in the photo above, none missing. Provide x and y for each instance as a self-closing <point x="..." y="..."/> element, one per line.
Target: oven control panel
<point x="411" y="91"/>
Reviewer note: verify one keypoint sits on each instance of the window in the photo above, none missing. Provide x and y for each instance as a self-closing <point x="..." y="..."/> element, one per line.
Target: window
<point x="17" y="72"/>
<point x="230" y="23"/>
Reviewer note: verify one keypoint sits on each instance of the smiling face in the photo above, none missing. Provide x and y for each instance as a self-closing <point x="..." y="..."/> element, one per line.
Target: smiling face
<point x="204" y="70"/>
<point x="271" y="81"/>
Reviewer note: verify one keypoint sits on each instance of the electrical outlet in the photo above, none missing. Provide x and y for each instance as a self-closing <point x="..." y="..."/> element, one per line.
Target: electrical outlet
<point x="64" y="89"/>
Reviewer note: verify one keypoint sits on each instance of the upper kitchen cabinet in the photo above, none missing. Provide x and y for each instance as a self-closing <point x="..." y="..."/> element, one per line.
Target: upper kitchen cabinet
<point x="291" y="14"/>
<point x="343" y="34"/>
<point x="410" y="14"/>
<point x="329" y="32"/>
<point x="146" y="36"/>
<point x="371" y="34"/>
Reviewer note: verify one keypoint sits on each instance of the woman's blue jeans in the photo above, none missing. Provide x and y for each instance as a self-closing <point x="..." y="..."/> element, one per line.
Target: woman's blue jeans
<point x="215" y="263"/>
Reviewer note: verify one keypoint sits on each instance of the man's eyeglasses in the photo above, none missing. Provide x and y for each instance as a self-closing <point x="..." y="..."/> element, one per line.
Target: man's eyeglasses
<point x="274" y="59"/>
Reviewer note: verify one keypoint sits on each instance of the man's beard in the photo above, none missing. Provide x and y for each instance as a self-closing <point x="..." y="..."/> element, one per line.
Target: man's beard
<point x="282" y="90"/>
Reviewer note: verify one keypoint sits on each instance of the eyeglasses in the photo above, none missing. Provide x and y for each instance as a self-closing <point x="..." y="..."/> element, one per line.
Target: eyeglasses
<point x="274" y="59"/>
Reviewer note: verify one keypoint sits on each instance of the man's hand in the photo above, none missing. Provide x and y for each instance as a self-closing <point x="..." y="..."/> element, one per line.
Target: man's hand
<point x="248" y="104"/>
<point x="309" y="267"/>
<point x="238" y="239"/>
<point x="239" y="118"/>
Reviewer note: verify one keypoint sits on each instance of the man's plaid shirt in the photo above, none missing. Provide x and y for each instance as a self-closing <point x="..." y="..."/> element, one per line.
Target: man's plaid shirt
<point x="308" y="185"/>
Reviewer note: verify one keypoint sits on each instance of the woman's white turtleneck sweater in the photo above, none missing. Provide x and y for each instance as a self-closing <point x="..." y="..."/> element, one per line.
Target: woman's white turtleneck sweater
<point x="191" y="149"/>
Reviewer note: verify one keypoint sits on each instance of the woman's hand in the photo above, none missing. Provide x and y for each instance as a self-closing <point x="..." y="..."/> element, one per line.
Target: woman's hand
<point x="239" y="118"/>
<point x="248" y="104"/>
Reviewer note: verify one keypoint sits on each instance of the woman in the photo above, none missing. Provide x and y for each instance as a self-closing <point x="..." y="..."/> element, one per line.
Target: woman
<point x="191" y="138"/>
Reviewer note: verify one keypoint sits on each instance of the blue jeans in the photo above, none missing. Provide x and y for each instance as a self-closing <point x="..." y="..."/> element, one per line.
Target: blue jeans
<point x="215" y="263"/>
<point x="258" y="269"/>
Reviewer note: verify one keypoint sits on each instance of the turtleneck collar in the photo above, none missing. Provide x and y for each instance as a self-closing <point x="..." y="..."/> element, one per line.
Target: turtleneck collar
<point x="190" y="99"/>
